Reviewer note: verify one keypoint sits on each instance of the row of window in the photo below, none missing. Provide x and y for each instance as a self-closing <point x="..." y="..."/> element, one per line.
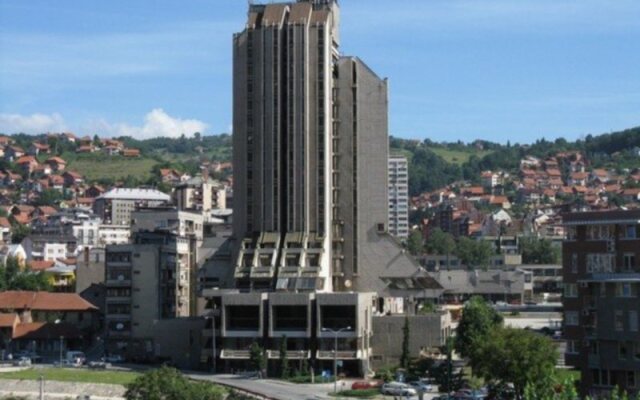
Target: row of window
<point x="604" y="232"/>
<point x="605" y="377"/>
<point x="572" y="318"/>
<point x="604" y="262"/>
<point x="622" y="289"/>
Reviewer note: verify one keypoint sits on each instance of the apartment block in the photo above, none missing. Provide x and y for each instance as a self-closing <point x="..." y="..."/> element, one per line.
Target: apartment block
<point x="601" y="279"/>
<point x="200" y="193"/>
<point x="116" y="205"/>
<point x="398" y="196"/>
<point x="149" y="280"/>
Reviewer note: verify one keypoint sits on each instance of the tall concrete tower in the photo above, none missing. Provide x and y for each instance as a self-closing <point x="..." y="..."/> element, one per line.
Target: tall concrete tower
<point x="310" y="148"/>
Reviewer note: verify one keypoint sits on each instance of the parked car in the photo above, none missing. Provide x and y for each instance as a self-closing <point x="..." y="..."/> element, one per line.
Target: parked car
<point x="360" y="385"/>
<point x="22" y="361"/>
<point x="398" y="389"/>
<point x="114" y="359"/>
<point x="421" y="386"/>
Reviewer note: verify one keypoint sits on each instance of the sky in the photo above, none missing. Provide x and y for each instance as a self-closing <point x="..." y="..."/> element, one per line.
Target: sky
<point x="496" y="70"/>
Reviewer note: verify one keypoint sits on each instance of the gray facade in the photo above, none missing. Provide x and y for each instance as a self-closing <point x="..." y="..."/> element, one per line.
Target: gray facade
<point x="310" y="151"/>
<point x="426" y="333"/>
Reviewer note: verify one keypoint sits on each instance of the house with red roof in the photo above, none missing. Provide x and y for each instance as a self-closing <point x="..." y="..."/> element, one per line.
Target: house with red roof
<point x="131" y="152"/>
<point x="72" y="178"/>
<point x="37" y="321"/>
<point x="37" y="148"/>
<point x="27" y="163"/>
<point x="56" y="163"/>
<point x="12" y="153"/>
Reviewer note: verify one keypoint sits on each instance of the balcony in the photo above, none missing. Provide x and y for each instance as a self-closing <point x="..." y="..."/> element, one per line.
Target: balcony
<point x="291" y="354"/>
<point x="124" y="333"/>
<point x="234" y="354"/>
<point x="118" y="299"/>
<point x="110" y="264"/>
<point x="342" y="355"/>
<point x="118" y="282"/>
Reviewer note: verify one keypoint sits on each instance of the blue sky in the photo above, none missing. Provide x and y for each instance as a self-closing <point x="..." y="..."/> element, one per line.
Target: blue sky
<point x="458" y="69"/>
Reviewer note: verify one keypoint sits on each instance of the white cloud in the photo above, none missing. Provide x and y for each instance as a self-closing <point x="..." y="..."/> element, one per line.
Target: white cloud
<point x="33" y="124"/>
<point x="156" y="123"/>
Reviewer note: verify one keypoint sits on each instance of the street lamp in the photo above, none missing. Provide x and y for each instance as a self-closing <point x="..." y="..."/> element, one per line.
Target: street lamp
<point x="57" y="322"/>
<point x="335" y="353"/>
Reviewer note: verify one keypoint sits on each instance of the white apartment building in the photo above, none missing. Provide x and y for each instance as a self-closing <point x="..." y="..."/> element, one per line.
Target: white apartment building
<point x="115" y="206"/>
<point x="398" y="196"/>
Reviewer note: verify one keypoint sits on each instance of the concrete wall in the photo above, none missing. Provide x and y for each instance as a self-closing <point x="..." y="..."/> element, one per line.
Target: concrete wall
<point x="179" y="340"/>
<point x="425" y="331"/>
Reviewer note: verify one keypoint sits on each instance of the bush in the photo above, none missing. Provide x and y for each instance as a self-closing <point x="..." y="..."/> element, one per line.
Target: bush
<point x="169" y="384"/>
<point x="360" y="393"/>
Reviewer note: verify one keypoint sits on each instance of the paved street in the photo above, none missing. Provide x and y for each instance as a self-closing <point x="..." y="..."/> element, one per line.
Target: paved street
<point x="282" y="390"/>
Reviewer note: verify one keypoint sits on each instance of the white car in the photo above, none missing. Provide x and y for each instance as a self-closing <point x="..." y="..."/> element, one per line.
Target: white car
<point x="398" y="389"/>
<point x="22" y="362"/>
<point x="421" y="386"/>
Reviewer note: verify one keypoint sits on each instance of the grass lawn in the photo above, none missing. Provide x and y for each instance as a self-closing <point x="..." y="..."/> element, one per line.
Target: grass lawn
<point x="73" y="375"/>
<point x="457" y="156"/>
<point x="116" y="167"/>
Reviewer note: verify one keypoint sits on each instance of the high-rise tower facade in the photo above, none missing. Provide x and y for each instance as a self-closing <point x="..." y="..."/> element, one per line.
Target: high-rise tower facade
<point x="309" y="151"/>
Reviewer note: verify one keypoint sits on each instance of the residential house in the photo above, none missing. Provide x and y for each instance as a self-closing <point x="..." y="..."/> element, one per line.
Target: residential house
<point x="131" y="152"/>
<point x="72" y="178"/>
<point x="12" y="153"/>
<point x="68" y="137"/>
<point x="27" y="164"/>
<point x="56" y="182"/>
<point x="37" y="148"/>
<point x="56" y="163"/>
<point x="94" y="191"/>
<point x="45" y="321"/>
<point x="49" y="247"/>
<point x="631" y="195"/>
<point x="86" y="149"/>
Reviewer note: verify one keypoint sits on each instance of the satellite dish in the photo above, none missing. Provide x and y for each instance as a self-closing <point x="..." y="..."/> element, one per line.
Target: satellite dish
<point x="347" y="283"/>
<point x="120" y="326"/>
<point x="120" y="277"/>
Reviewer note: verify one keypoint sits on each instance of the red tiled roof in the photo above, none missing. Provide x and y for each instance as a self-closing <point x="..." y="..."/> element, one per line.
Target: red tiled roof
<point x="26" y="159"/>
<point x="46" y="330"/>
<point x="56" y="160"/>
<point x="47" y="210"/>
<point x="7" y="320"/>
<point x="17" y="300"/>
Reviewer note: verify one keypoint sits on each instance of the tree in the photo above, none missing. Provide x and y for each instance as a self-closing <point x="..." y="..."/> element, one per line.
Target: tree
<point x="473" y="253"/>
<point x="256" y="357"/>
<point x="405" y="356"/>
<point x="520" y="357"/>
<point x="48" y="197"/>
<point x="440" y="243"/>
<point x="414" y="243"/>
<point x="284" y="362"/>
<point x="167" y="383"/>
<point x="538" y="251"/>
<point x="478" y="319"/>
<point x="14" y="277"/>
<point x="19" y="232"/>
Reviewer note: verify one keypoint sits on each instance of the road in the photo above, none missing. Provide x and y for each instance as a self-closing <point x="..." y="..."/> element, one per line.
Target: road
<point x="280" y="390"/>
